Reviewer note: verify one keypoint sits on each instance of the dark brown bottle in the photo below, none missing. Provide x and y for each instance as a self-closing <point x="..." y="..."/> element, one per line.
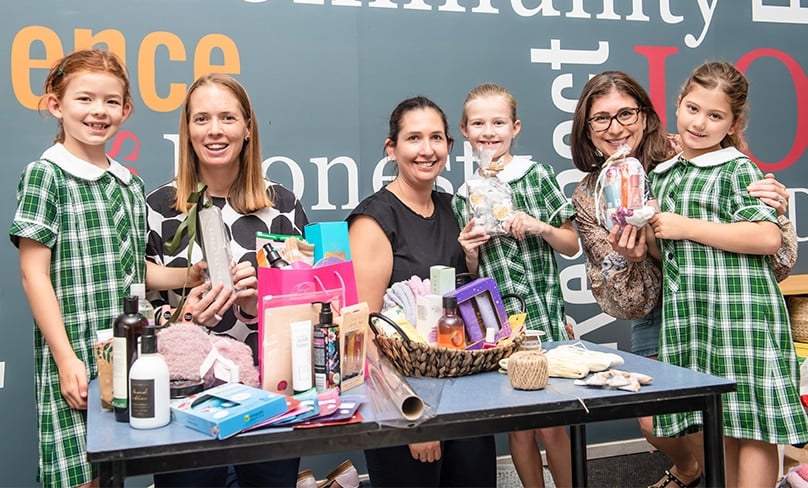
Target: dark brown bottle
<point x="451" y="328"/>
<point x="274" y="258"/>
<point x="127" y="330"/>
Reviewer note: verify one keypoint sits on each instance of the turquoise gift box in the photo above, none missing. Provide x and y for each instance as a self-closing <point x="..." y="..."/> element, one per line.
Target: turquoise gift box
<point x="329" y="239"/>
<point x="225" y="410"/>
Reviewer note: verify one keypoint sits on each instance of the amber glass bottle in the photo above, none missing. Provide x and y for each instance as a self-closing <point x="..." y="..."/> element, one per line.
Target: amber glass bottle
<point x="451" y="328"/>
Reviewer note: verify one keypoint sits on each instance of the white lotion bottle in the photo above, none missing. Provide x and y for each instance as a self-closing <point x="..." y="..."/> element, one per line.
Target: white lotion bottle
<point x="149" y="390"/>
<point x="301" y="333"/>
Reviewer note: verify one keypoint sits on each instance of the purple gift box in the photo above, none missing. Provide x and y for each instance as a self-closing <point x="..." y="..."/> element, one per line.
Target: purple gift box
<point x="480" y="306"/>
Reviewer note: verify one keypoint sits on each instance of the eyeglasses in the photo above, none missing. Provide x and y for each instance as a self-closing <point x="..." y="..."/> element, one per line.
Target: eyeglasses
<point x="625" y="117"/>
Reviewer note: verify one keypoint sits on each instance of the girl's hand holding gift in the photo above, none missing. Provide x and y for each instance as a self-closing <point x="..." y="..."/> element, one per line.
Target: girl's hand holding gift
<point x="521" y="224"/>
<point x="197" y="274"/>
<point x="471" y="238"/>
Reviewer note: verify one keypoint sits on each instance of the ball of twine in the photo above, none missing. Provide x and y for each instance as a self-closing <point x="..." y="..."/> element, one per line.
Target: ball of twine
<point x="527" y="370"/>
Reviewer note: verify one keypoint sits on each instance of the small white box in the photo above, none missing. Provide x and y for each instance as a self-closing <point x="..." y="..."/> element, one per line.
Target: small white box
<point x="429" y="309"/>
<point x="441" y="279"/>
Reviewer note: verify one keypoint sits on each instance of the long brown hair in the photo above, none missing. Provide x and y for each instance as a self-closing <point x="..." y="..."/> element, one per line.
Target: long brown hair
<point x="652" y="149"/>
<point x="84" y="61"/>
<point x="248" y="193"/>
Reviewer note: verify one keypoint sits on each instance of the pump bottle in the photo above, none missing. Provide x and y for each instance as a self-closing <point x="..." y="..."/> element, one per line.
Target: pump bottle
<point x="144" y="306"/>
<point x="149" y="386"/>
<point x="274" y="258"/>
<point x="325" y="344"/>
<point x="127" y="329"/>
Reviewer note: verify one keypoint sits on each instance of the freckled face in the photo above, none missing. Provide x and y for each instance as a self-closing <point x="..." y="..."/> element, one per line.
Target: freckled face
<point x="703" y="118"/>
<point x="421" y="148"/>
<point x="617" y="134"/>
<point x="91" y="110"/>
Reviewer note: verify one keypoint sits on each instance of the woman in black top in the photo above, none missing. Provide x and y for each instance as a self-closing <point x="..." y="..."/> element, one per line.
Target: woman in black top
<point x="400" y="231"/>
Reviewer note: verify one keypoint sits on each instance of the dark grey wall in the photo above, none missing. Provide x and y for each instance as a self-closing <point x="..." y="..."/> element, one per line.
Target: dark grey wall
<point x="325" y="74"/>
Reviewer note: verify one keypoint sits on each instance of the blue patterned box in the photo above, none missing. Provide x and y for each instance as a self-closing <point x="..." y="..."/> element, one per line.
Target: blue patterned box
<point x="225" y="410"/>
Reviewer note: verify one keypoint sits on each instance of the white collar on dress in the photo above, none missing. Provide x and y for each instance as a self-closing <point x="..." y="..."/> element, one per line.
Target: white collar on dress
<point x="516" y="169"/>
<point x="61" y="157"/>
<point x="714" y="158"/>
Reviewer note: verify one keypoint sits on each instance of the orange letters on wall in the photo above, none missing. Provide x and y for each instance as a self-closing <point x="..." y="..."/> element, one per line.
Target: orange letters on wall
<point x="23" y="64"/>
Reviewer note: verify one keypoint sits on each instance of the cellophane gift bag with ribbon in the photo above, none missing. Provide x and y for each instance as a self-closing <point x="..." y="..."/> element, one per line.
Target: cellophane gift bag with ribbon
<point x="490" y="201"/>
<point x="622" y="192"/>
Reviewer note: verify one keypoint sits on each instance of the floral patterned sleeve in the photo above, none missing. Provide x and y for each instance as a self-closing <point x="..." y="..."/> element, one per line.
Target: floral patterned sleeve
<point x="623" y="289"/>
<point x="786" y="256"/>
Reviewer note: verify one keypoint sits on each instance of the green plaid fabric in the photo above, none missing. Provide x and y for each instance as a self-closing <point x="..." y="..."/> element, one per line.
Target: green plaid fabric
<point x="528" y="267"/>
<point x="723" y="313"/>
<point x="96" y="230"/>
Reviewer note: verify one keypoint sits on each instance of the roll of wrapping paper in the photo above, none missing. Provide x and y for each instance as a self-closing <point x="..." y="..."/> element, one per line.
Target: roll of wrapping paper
<point x="393" y="399"/>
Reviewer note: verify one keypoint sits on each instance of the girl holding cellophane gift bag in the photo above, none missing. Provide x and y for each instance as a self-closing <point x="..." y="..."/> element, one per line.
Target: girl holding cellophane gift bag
<point x="521" y="258"/>
<point x="490" y="201"/>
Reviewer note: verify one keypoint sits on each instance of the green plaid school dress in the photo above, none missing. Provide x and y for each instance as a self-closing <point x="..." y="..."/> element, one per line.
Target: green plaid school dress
<point x="94" y="222"/>
<point x="723" y="313"/>
<point x="528" y="267"/>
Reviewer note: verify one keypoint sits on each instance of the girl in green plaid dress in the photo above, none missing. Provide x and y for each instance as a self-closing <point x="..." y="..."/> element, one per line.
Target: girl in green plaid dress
<point x="521" y="261"/>
<point x="723" y="313"/>
<point x="80" y="226"/>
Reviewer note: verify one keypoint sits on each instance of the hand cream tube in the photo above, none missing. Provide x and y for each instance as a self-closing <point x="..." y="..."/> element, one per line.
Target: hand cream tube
<point x="301" y="355"/>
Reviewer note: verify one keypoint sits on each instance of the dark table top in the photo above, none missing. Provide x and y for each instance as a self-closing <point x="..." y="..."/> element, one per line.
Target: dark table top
<point x="468" y="406"/>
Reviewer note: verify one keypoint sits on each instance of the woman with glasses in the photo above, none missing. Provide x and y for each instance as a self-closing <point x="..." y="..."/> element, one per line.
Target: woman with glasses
<point x="614" y="110"/>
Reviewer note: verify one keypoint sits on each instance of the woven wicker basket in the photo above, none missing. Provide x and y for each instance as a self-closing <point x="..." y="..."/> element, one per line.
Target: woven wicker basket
<point x="798" y="313"/>
<point x="418" y="359"/>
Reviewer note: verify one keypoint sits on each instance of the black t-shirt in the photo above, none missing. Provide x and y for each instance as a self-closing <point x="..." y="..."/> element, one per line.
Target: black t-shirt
<point x="418" y="242"/>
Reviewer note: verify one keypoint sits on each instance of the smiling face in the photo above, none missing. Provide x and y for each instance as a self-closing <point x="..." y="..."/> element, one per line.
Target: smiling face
<point x="421" y="147"/>
<point x="703" y="118"/>
<point x="609" y="105"/>
<point x="91" y="111"/>
<point x="489" y="125"/>
<point x="217" y="126"/>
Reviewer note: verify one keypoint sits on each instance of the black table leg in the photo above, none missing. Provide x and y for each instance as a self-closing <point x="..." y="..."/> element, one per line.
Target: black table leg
<point x="578" y="453"/>
<point x="713" y="442"/>
<point x="111" y="474"/>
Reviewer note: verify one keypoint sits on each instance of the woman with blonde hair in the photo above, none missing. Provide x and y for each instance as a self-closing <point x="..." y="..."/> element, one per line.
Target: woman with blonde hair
<point x="219" y="146"/>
